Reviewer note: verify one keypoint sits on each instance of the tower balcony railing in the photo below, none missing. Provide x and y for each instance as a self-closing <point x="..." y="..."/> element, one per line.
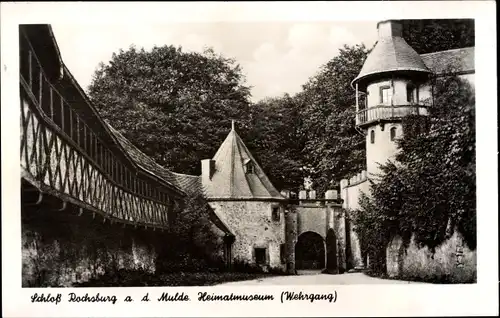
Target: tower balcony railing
<point x="388" y="113"/>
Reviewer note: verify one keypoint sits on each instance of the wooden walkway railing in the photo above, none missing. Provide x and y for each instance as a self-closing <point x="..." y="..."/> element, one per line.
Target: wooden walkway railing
<point x="62" y="154"/>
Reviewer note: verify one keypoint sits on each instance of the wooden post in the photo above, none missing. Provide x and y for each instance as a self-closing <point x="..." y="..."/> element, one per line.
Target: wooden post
<point x="393" y="91"/>
<point x="40" y="84"/>
<point x="357" y="104"/>
<point x="357" y="98"/>
<point x="71" y="133"/>
<point x="84" y="146"/>
<point x="51" y="102"/>
<point x="30" y="66"/>
<point x="62" y="114"/>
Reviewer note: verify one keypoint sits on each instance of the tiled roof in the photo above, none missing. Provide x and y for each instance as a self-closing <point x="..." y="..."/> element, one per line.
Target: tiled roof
<point x="390" y="54"/>
<point x="450" y="61"/>
<point x="230" y="181"/>
<point x="187" y="183"/>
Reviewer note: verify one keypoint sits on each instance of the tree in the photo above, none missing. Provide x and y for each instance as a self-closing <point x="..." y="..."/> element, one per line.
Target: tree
<point x="276" y="139"/>
<point x="426" y="36"/>
<point x="194" y="242"/>
<point x="429" y="191"/>
<point x="333" y="148"/>
<point x="174" y="106"/>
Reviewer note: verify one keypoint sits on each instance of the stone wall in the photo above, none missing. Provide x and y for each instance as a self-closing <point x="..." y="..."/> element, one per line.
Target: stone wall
<point x="312" y="217"/>
<point x="252" y="224"/>
<point x="452" y="261"/>
<point x="62" y="248"/>
<point x="320" y="215"/>
<point x="290" y="238"/>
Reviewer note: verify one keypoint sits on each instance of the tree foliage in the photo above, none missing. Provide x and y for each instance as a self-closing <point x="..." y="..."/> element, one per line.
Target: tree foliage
<point x="426" y="36"/>
<point x="177" y="106"/>
<point x="276" y="139"/>
<point x="430" y="189"/>
<point x="333" y="148"/>
<point x="174" y="106"/>
<point x="194" y="242"/>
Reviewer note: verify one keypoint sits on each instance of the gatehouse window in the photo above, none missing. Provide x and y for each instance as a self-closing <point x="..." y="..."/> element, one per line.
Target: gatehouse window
<point x="385" y="95"/>
<point x="393" y="133"/>
<point x="372" y="136"/>
<point x="260" y="256"/>
<point x="276" y="213"/>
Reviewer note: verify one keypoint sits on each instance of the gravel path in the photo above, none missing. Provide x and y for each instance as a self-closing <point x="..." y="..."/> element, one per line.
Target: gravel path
<point x="316" y="278"/>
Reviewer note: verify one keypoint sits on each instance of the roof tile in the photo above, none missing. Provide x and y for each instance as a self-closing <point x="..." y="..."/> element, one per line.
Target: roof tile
<point x="391" y="54"/>
<point x="450" y="61"/>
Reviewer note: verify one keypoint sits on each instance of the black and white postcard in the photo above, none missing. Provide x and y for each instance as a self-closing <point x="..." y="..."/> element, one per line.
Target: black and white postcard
<point x="249" y="159"/>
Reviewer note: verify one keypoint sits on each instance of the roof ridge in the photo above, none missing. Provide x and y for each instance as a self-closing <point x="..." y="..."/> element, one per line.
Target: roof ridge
<point x="264" y="179"/>
<point x="245" y="175"/>
<point x="183" y="174"/>
<point x="231" y="173"/>
<point x="231" y="181"/>
<point x="449" y="50"/>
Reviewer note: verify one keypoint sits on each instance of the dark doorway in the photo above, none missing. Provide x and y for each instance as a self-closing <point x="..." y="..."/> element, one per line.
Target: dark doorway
<point x="331" y="253"/>
<point x="228" y="250"/>
<point x="310" y="251"/>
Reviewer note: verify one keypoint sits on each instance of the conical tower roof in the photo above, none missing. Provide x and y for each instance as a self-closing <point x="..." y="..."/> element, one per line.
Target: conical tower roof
<point x="230" y="179"/>
<point x="390" y="54"/>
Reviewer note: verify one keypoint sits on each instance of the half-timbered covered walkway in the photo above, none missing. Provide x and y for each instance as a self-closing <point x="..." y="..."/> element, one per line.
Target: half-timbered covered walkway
<point x="73" y="161"/>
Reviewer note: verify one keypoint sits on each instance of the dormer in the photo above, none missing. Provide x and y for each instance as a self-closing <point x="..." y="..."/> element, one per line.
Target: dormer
<point x="249" y="166"/>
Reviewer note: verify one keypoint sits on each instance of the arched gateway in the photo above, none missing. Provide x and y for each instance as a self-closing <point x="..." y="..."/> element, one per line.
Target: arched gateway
<point x="310" y="251"/>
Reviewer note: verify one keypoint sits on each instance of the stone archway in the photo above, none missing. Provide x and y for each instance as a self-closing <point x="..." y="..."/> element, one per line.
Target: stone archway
<point x="310" y="252"/>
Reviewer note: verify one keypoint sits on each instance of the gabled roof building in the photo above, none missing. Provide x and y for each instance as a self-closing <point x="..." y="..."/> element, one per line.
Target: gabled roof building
<point x="234" y="174"/>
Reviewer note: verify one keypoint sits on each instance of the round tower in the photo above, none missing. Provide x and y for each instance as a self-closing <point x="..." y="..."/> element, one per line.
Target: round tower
<point x="394" y="80"/>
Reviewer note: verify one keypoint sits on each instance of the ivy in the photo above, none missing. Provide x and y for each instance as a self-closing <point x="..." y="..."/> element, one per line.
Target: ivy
<point x="429" y="190"/>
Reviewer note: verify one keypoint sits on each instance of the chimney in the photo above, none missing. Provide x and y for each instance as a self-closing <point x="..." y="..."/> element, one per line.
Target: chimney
<point x="207" y="169"/>
<point x="389" y="28"/>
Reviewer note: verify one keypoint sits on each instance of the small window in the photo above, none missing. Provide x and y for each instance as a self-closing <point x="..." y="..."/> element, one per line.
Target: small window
<point x="385" y="95"/>
<point x="249" y="168"/>
<point x="276" y="213"/>
<point x="372" y="136"/>
<point x="260" y="256"/>
<point x="411" y="93"/>
<point x="282" y="254"/>
<point x="393" y="133"/>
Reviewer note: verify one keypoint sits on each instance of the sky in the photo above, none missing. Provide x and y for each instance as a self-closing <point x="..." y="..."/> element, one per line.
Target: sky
<point x="276" y="57"/>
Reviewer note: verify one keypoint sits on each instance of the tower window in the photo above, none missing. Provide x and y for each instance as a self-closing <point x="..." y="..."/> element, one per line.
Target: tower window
<point x="260" y="256"/>
<point x="393" y="133"/>
<point x="385" y="95"/>
<point x="411" y="93"/>
<point x="372" y="136"/>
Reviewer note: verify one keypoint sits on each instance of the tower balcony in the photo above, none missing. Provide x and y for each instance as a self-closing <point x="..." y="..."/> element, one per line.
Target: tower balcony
<point x="385" y="113"/>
